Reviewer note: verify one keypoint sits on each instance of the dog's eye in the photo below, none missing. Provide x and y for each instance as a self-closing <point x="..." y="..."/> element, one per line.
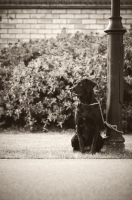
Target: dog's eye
<point x="80" y="84"/>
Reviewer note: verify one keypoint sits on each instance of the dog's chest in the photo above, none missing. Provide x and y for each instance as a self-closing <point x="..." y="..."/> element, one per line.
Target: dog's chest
<point x="88" y="112"/>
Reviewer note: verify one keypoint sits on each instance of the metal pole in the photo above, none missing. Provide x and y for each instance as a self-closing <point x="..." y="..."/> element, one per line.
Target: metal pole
<point x="115" y="59"/>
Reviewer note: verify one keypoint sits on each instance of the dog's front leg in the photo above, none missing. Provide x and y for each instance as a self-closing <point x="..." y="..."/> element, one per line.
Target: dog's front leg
<point x="80" y="138"/>
<point x="95" y="138"/>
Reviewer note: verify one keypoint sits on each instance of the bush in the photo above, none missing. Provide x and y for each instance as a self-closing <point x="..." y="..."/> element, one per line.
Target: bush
<point x="36" y="78"/>
<point x="127" y="108"/>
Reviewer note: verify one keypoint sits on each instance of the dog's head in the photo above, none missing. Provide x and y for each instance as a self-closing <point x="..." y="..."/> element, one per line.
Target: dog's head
<point x="83" y="86"/>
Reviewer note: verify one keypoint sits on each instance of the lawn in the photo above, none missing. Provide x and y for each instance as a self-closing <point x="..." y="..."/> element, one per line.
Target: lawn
<point x="52" y="145"/>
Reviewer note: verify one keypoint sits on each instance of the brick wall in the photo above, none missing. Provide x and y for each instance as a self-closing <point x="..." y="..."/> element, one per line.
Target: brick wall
<point x="26" y="24"/>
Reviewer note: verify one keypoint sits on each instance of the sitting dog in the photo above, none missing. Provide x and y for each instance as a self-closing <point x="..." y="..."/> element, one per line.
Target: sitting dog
<point x="88" y="119"/>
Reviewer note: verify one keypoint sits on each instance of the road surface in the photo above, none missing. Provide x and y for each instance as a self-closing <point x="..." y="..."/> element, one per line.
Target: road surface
<point x="88" y="179"/>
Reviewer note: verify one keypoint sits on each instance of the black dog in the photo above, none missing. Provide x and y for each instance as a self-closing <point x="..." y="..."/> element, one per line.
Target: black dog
<point x="88" y="119"/>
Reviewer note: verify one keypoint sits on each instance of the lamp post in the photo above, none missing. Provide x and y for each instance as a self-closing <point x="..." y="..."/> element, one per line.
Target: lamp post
<point x="115" y="59"/>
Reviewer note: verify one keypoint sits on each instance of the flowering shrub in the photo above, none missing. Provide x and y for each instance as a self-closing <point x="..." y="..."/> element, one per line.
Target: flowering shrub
<point x="36" y="78"/>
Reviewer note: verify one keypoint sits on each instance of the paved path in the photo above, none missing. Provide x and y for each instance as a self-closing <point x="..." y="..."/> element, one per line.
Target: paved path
<point x="66" y="179"/>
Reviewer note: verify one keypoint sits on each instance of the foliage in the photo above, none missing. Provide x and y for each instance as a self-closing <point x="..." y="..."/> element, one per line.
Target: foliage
<point x="127" y="108"/>
<point x="36" y="78"/>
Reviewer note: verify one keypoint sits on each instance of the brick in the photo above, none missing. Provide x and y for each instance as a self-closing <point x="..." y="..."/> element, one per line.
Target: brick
<point x="106" y="16"/>
<point x="30" y="31"/>
<point x="25" y="40"/>
<point x="45" y="31"/>
<point x="127" y="26"/>
<point x="57" y="31"/>
<point x="129" y="11"/>
<point x="12" y="40"/>
<point x="52" y="26"/>
<point x="102" y="21"/>
<point x="67" y="16"/>
<point x="74" y="21"/>
<point x="3" y="40"/>
<point x="96" y="16"/>
<point x="3" y="11"/>
<point x="37" y="36"/>
<point x="23" y="26"/>
<point x="15" y="21"/>
<point x="89" y="21"/>
<point x="4" y="16"/>
<point x="3" y="30"/>
<point x="14" y="11"/>
<point x="8" y="25"/>
<point x="72" y="31"/>
<point x="15" y="31"/>
<point x="51" y="36"/>
<point x="127" y="16"/>
<point x="22" y="16"/>
<point x="4" y="21"/>
<point x="67" y="26"/>
<point x="59" y="11"/>
<point x="123" y="21"/>
<point x="100" y="32"/>
<point x="38" y="16"/>
<point x="3" y="45"/>
<point x="29" y="21"/>
<point x="73" y="11"/>
<point x="81" y="26"/>
<point x="129" y="21"/>
<point x="87" y="31"/>
<point x="19" y="36"/>
<point x="45" y="21"/>
<point x="11" y="16"/>
<point x="8" y="16"/>
<point x="103" y="11"/>
<point x="93" y="27"/>
<point x="96" y="26"/>
<point x="8" y="36"/>
<point x="87" y="11"/>
<point x="54" y="16"/>
<point x="82" y="16"/>
<point x="44" y="11"/>
<point x="38" y="26"/>
<point x="123" y="12"/>
<point x="59" y="21"/>
<point x="29" y="11"/>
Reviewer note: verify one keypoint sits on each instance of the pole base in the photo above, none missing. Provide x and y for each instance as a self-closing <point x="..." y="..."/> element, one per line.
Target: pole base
<point x="118" y="148"/>
<point x="114" y="142"/>
<point x="114" y="138"/>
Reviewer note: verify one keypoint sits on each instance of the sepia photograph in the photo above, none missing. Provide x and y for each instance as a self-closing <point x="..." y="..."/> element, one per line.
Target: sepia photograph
<point x="65" y="99"/>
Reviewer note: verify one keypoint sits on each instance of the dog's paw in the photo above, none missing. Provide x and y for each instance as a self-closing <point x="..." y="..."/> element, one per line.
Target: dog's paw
<point x="87" y="148"/>
<point x="93" y="151"/>
<point x="82" y="150"/>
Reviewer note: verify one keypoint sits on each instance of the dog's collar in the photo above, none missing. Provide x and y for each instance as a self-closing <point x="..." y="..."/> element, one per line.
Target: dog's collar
<point x="91" y="104"/>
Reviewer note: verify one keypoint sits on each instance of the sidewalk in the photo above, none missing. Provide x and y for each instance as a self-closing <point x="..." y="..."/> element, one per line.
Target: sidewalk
<point x="66" y="179"/>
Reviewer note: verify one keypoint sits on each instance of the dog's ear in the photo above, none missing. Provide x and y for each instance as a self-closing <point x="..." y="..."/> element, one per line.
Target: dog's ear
<point x="90" y="85"/>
